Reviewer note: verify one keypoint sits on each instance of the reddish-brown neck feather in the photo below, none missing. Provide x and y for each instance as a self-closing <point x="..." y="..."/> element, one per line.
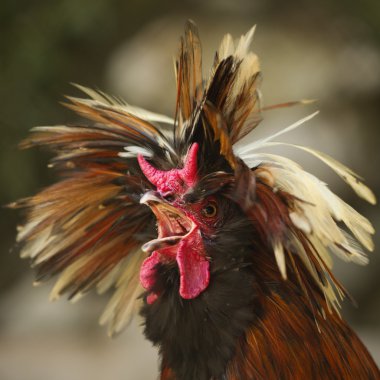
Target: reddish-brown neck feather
<point x="287" y="344"/>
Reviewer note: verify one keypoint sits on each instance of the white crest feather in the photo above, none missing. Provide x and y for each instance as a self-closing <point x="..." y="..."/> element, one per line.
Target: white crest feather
<point x="133" y="151"/>
<point x="141" y="113"/>
<point x="279" y="254"/>
<point x="317" y="210"/>
<point x="350" y="177"/>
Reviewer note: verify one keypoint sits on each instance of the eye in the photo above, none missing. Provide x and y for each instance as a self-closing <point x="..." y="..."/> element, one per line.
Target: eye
<point x="210" y="210"/>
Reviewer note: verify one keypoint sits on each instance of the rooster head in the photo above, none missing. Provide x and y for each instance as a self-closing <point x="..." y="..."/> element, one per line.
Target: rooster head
<point x="180" y="226"/>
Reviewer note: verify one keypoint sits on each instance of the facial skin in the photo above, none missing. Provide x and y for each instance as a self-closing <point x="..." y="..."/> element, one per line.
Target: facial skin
<point x="181" y="227"/>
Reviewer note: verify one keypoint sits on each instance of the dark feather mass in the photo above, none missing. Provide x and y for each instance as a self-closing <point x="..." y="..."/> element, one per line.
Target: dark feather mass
<point x="225" y="249"/>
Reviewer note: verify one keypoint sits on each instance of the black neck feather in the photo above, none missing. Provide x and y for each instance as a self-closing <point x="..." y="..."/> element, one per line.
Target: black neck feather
<point x="197" y="338"/>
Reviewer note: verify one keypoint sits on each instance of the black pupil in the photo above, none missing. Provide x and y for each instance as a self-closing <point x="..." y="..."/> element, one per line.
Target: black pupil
<point x="209" y="210"/>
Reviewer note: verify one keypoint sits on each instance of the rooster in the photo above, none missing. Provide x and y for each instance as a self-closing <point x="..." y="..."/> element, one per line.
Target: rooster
<point x="238" y="282"/>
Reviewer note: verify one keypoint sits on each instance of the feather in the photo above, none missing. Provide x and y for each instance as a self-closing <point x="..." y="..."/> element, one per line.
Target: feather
<point x="125" y="300"/>
<point x="84" y="226"/>
<point x="280" y="258"/>
<point x="226" y="47"/>
<point x="188" y="69"/>
<point x="350" y="177"/>
<point x="244" y="150"/>
<point x="300" y="221"/>
<point x="134" y="151"/>
<point x="288" y="104"/>
<point x="317" y="211"/>
<point x="141" y="113"/>
<point x="241" y="108"/>
<point x="244" y="43"/>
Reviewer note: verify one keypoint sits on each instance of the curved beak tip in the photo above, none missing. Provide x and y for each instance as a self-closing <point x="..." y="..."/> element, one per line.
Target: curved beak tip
<point x="150" y="197"/>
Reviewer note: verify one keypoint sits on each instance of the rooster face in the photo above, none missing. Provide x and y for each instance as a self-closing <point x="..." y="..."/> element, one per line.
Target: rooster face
<point x="183" y="223"/>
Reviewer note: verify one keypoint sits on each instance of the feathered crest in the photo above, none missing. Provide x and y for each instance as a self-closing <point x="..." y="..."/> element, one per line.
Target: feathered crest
<point x="88" y="227"/>
<point x="221" y="111"/>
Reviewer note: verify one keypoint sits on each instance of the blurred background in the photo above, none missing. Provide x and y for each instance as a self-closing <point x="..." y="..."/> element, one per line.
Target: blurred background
<point x="329" y="50"/>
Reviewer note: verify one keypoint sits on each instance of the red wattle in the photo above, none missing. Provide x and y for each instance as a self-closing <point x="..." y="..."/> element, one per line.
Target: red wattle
<point x="192" y="263"/>
<point x="193" y="266"/>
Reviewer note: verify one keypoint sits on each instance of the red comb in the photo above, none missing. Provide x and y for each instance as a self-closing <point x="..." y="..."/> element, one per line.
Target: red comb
<point x="171" y="179"/>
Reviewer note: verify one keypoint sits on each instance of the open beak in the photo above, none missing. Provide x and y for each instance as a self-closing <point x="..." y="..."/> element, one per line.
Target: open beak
<point x="179" y="240"/>
<point x="172" y="223"/>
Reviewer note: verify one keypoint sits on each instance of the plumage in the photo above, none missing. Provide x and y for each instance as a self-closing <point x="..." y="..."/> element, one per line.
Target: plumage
<point x="238" y="283"/>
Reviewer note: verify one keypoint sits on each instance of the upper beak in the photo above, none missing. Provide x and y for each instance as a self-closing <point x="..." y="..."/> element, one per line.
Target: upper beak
<point x="152" y="197"/>
<point x="159" y="205"/>
<point x="172" y="223"/>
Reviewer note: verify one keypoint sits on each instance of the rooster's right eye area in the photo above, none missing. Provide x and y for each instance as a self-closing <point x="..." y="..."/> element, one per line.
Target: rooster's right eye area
<point x="210" y="210"/>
